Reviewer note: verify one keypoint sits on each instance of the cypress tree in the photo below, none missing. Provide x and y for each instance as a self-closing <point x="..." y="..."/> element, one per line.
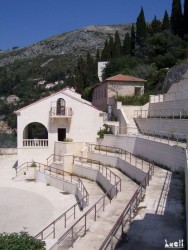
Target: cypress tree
<point x="141" y="28"/>
<point x="176" y="18"/>
<point x="133" y="37"/>
<point x="117" y="45"/>
<point x="155" y="26"/>
<point x="127" y="44"/>
<point x="185" y="18"/>
<point x="111" y="47"/>
<point x="166" y="21"/>
<point x="105" y="54"/>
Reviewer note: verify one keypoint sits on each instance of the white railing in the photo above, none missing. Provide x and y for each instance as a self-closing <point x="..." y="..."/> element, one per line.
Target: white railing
<point x="66" y="112"/>
<point x="35" y="142"/>
<point x="173" y="96"/>
<point x="161" y="113"/>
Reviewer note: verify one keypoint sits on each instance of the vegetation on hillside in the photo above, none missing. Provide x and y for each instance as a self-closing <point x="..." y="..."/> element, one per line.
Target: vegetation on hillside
<point x="147" y="51"/>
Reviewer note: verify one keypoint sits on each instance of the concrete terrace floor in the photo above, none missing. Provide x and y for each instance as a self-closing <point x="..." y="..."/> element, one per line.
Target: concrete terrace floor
<point x="160" y="217"/>
<point x="28" y="206"/>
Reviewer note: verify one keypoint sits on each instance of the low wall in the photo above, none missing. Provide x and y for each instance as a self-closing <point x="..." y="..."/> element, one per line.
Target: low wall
<point x="96" y="176"/>
<point x="131" y="171"/>
<point x="170" y="106"/>
<point x="167" y="125"/>
<point x="68" y="147"/>
<point x="57" y="183"/>
<point x="8" y="151"/>
<point x="172" y="157"/>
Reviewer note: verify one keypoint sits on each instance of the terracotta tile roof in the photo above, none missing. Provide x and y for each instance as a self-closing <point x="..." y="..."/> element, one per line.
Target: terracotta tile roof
<point x="125" y="78"/>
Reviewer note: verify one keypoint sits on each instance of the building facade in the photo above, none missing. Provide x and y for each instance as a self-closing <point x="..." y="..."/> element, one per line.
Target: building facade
<point x="63" y="116"/>
<point x="104" y="92"/>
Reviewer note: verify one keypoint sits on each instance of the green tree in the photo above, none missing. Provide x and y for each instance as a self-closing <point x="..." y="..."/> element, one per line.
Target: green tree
<point x="155" y="26"/>
<point x="166" y="21"/>
<point x="117" y="45"/>
<point x="133" y="37"/>
<point x="141" y="28"/>
<point x="185" y="18"/>
<point x="127" y="44"/>
<point x="105" y="54"/>
<point x="176" y="18"/>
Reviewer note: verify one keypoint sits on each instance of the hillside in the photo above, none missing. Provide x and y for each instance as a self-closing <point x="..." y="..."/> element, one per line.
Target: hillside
<point x="67" y="45"/>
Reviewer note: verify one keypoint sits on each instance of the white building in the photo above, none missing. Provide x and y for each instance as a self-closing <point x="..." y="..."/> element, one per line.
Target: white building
<point x="101" y="67"/>
<point x="55" y="118"/>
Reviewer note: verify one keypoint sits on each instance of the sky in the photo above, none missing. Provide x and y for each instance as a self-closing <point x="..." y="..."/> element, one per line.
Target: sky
<point x="24" y="22"/>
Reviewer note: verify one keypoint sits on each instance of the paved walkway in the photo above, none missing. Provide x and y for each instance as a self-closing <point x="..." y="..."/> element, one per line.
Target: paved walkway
<point x="160" y="216"/>
<point x="97" y="231"/>
<point x="28" y="206"/>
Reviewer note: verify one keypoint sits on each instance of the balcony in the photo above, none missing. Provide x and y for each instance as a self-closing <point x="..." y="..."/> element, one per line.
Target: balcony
<point x="35" y="142"/>
<point x="63" y="113"/>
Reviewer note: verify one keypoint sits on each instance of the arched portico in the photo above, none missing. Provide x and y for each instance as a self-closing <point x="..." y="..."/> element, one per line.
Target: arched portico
<point x="35" y="134"/>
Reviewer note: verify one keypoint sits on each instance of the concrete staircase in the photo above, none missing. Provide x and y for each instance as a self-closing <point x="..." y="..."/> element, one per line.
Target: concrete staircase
<point x="131" y="127"/>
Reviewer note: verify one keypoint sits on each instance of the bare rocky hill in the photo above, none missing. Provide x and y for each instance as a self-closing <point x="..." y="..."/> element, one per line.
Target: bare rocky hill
<point x="75" y="42"/>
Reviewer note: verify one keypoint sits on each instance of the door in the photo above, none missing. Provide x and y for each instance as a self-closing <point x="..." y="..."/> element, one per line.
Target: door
<point x="61" y="134"/>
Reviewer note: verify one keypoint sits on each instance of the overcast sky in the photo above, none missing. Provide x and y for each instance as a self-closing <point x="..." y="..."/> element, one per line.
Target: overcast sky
<point x="24" y="22"/>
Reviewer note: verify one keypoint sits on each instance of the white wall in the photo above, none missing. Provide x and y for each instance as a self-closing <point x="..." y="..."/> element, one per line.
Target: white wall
<point x="96" y="176"/>
<point x="170" y="156"/>
<point x="167" y="125"/>
<point x="171" y="106"/>
<point x="61" y="148"/>
<point x="133" y="172"/>
<point x="84" y="125"/>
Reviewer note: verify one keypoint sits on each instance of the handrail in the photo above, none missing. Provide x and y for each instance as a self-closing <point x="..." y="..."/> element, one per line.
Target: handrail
<point x="61" y="172"/>
<point x="94" y="207"/>
<point x="54" y="222"/>
<point x="172" y="96"/>
<point x="66" y="112"/>
<point x="125" y="155"/>
<point x="53" y="157"/>
<point x="109" y="175"/>
<point x="161" y="113"/>
<point x="164" y="135"/>
<point x="129" y="209"/>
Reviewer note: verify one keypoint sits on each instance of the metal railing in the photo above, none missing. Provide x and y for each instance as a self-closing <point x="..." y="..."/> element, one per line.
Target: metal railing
<point x="105" y="171"/>
<point x="138" y="162"/>
<point x="163" y="137"/>
<point x="55" y="158"/>
<point x="161" y="113"/>
<point x="79" y="228"/>
<point x="173" y="96"/>
<point x="65" y="112"/>
<point x="125" y="218"/>
<point x="57" y="173"/>
<point x="35" y="142"/>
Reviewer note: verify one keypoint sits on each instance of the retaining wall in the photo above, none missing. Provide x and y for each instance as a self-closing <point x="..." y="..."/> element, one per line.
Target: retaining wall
<point x="133" y="172"/>
<point x="167" y="125"/>
<point x="172" y="157"/>
<point x="96" y="176"/>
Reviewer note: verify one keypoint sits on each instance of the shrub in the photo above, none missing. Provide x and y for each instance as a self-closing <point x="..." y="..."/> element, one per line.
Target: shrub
<point x="105" y="130"/>
<point x="20" y="241"/>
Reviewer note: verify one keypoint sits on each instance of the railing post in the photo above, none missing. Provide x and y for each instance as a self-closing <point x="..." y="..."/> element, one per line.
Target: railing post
<point x="95" y="216"/>
<point x="103" y="203"/>
<point x="65" y="220"/>
<point x="54" y="230"/>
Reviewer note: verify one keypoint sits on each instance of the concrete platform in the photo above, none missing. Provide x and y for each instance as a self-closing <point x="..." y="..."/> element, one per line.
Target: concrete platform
<point x="28" y="206"/>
